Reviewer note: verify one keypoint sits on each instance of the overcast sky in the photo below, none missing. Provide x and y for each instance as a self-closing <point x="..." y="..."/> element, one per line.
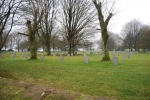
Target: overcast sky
<point x="129" y="10"/>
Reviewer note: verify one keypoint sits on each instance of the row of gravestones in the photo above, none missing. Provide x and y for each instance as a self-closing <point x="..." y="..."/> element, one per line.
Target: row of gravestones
<point x="115" y="58"/>
<point x="12" y="55"/>
<point x="86" y="58"/>
<point x="24" y="55"/>
<point x="54" y="55"/>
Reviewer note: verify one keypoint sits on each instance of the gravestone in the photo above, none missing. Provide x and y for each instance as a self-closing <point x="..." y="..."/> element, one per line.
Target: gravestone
<point x="13" y="56"/>
<point x="71" y="54"/>
<point x="42" y="56"/>
<point x="22" y="54"/>
<point x="25" y="56"/>
<point x="86" y="58"/>
<point x="61" y="58"/>
<point x="113" y="54"/>
<point x="14" y="53"/>
<point x="124" y="57"/>
<point x="129" y="55"/>
<point x="54" y="55"/>
<point x="2" y="56"/>
<point x="68" y="55"/>
<point x="115" y="60"/>
<point x="84" y="55"/>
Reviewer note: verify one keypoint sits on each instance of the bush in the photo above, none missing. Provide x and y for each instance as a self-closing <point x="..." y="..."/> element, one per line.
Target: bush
<point x="10" y="50"/>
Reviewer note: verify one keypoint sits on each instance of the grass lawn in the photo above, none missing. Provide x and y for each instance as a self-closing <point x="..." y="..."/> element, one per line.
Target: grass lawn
<point x="128" y="81"/>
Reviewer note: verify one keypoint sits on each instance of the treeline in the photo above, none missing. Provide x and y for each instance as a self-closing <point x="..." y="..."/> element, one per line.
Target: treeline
<point x="64" y="25"/>
<point x="50" y="24"/>
<point x="134" y="36"/>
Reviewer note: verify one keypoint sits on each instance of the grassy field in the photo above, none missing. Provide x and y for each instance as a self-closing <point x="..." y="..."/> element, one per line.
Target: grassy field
<point x="128" y="81"/>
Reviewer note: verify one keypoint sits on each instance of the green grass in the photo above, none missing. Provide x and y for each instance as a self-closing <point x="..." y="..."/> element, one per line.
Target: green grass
<point x="128" y="81"/>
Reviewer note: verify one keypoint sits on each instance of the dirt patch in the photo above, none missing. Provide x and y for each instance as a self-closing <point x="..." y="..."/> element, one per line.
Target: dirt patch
<point x="6" y="74"/>
<point x="12" y="90"/>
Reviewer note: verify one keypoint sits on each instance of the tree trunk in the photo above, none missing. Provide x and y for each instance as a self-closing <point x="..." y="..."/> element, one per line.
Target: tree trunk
<point x="53" y="47"/>
<point x="33" y="54"/>
<point x="103" y="25"/>
<point x="105" y="37"/>
<point x="48" y="48"/>
<point x="69" y="47"/>
<point x="18" y="47"/>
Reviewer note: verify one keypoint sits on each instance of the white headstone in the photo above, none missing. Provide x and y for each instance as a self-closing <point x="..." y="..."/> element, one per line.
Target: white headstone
<point x="72" y="54"/>
<point x="115" y="59"/>
<point x="68" y="55"/>
<point x="129" y="55"/>
<point x="86" y="58"/>
<point x="61" y="58"/>
<point x="13" y="56"/>
<point x="2" y="55"/>
<point x="54" y="55"/>
<point x="42" y="56"/>
<point x="25" y="56"/>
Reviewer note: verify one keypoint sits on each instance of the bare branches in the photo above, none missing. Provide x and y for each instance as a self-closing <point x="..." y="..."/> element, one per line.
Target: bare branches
<point x="75" y="19"/>
<point x="101" y="8"/>
<point x="23" y="34"/>
<point x="108" y="18"/>
<point x="8" y="10"/>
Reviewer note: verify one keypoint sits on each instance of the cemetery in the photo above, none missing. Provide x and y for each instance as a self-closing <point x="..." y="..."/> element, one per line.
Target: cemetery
<point x="74" y="50"/>
<point x="82" y="73"/>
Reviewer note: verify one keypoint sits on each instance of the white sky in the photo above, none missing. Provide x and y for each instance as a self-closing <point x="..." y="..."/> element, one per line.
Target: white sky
<point x="129" y="10"/>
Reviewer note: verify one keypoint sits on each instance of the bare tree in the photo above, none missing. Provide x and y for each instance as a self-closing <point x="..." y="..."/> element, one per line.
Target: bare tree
<point x="114" y="41"/>
<point x="49" y="22"/>
<point x="35" y="10"/>
<point x="145" y="38"/>
<point x="7" y="12"/>
<point x="104" y="15"/>
<point x="24" y="45"/>
<point x="76" y="19"/>
<point x="131" y="34"/>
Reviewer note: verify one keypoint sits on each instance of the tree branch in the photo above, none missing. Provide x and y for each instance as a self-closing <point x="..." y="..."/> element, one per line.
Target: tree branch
<point x="108" y="18"/>
<point x="23" y="34"/>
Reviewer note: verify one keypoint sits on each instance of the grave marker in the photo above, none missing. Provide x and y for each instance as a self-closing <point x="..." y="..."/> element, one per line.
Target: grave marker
<point x="86" y="58"/>
<point x="42" y="56"/>
<point x="54" y="55"/>
<point x="68" y="55"/>
<point x="13" y="55"/>
<point x="25" y="56"/>
<point x="61" y="58"/>
<point x="2" y="55"/>
<point x="115" y="59"/>
<point x="129" y="55"/>
<point x="71" y="54"/>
